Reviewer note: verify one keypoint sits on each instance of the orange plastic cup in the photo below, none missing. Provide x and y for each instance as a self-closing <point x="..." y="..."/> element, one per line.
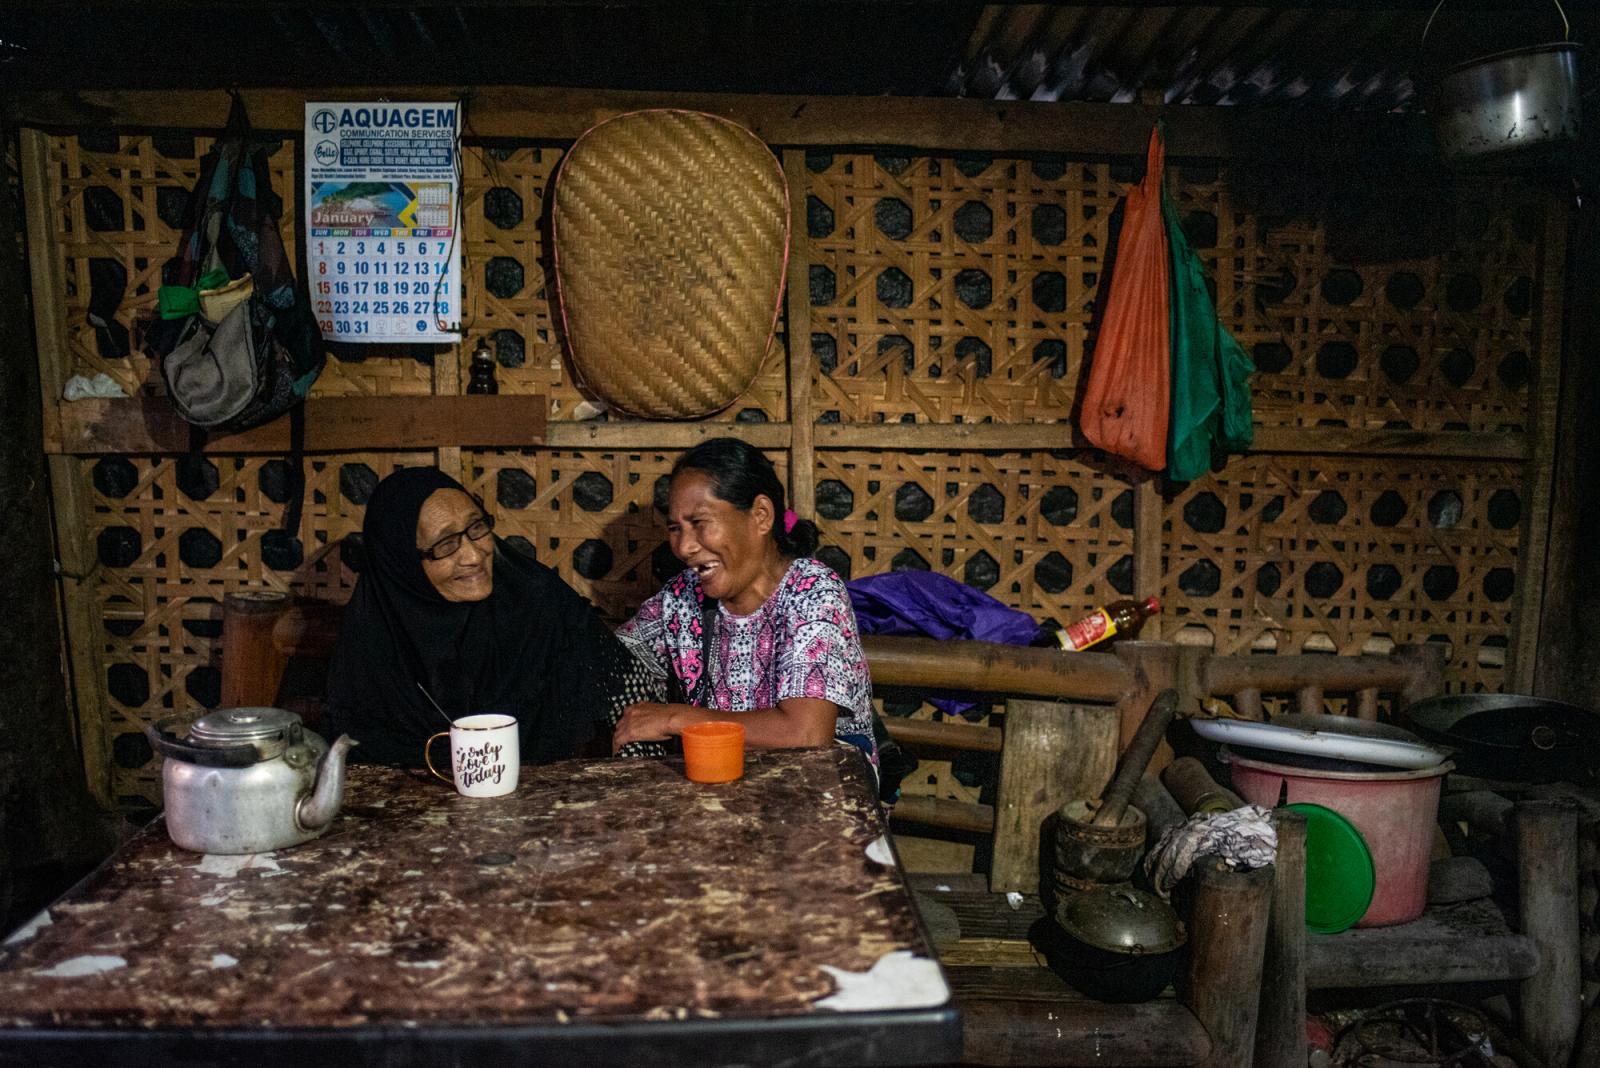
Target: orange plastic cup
<point x="713" y="752"/>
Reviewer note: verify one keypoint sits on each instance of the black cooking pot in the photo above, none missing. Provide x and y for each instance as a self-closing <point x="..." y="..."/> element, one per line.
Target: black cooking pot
<point x="1513" y="738"/>
<point x="1115" y="943"/>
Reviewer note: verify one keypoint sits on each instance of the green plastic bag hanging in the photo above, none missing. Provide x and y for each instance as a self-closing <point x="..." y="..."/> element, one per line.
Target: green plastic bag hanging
<point x="1210" y="371"/>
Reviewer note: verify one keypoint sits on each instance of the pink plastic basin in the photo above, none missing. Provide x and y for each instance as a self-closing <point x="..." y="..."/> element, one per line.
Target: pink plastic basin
<point x="1395" y="811"/>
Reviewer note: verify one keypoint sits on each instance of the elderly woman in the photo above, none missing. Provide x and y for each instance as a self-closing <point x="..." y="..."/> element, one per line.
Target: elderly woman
<point x="445" y="610"/>
<point x="753" y="629"/>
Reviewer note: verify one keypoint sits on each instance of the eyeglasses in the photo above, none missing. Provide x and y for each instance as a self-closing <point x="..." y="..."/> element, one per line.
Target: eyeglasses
<point x="448" y="545"/>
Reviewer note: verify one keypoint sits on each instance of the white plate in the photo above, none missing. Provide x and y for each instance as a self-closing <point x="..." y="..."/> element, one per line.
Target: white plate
<point x="1336" y="743"/>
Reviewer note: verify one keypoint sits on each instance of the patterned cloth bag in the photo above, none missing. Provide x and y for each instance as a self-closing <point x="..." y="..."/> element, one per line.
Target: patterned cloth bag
<point x="260" y="359"/>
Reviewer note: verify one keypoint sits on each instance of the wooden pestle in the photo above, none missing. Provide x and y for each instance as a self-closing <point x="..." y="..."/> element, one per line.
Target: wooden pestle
<point x="1140" y="750"/>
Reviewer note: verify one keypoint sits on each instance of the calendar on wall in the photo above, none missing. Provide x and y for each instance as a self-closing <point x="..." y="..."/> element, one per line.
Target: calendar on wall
<point x="383" y="242"/>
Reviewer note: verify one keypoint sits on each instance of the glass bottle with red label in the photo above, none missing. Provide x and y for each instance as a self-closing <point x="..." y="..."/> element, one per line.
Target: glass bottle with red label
<point x="1119" y="619"/>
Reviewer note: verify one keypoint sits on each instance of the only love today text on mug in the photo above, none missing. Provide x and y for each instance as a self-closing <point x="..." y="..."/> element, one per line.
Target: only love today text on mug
<point x="479" y="763"/>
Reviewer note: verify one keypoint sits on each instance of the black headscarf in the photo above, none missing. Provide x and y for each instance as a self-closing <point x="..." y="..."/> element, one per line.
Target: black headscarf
<point x="533" y="648"/>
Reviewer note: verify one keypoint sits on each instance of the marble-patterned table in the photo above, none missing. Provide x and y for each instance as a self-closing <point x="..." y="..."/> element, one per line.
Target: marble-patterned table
<point x="609" y="911"/>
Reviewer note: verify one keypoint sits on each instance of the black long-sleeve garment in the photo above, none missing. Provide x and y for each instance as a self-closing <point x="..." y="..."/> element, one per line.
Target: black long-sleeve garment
<point x="533" y="649"/>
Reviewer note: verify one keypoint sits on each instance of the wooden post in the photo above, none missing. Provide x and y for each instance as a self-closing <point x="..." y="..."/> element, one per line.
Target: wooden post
<point x="1148" y="542"/>
<point x="68" y="478"/>
<point x="1566" y="627"/>
<point x="1053" y="753"/>
<point x="1190" y="683"/>
<point x="48" y="820"/>
<point x="1155" y="667"/>
<point x="447" y="383"/>
<point x="1547" y="875"/>
<point x="1426" y="671"/>
<point x="1539" y="472"/>
<point x="447" y="367"/>
<point x="802" y="457"/>
<point x="1367" y="704"/>
<point x="1281" y="1033"/>
<point x="1308" y="701"/>
<point x="1227" y="940"/>
<point x="1248" y="704"/>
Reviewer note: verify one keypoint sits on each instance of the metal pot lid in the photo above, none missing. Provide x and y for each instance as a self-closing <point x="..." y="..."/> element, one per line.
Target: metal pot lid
<point x="270" y="730"/>
<point x="1120" y="919"/>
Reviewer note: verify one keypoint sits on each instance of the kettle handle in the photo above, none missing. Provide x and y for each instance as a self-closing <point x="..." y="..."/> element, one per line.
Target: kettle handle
<point x="168" y="744"/>
<point x="1566" y="26"/>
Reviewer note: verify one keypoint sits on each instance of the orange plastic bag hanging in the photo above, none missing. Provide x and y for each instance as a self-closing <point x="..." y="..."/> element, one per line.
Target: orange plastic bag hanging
<point x="1126" y="399"/>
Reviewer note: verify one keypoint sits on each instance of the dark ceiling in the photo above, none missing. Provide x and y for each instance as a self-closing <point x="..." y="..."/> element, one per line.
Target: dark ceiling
<point x="1350" y="55"/>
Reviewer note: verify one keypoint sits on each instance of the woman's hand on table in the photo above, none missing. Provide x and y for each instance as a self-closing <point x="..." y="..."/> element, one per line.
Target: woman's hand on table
<point x="796" y="721"/>
<point x="646" y="721"/>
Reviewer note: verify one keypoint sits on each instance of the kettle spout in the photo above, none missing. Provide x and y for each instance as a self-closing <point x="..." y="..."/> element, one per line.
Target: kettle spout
<point x="317" y="809"/>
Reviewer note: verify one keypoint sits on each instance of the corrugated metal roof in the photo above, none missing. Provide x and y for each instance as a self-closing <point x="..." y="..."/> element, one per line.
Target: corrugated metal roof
<point x="1352" y="55"/>
<point x="1191" y="55"/>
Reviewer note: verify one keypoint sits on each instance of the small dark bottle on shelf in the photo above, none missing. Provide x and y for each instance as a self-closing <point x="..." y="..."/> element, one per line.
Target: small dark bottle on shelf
<point x="480" y="373"/>
<point x="1120" y="619"/>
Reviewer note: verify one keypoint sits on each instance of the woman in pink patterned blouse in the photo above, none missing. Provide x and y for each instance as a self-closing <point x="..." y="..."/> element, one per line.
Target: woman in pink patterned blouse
<point x="753" y="629"/>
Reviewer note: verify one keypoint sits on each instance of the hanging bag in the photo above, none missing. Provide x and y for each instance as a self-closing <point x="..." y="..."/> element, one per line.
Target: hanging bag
<point x="1124" y="406"/>
<point x="260" y="358"/>
<point x="1210" y="371"/>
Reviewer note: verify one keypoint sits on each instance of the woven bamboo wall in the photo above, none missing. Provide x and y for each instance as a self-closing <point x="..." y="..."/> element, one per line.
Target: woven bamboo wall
<point x="941" y="290"/>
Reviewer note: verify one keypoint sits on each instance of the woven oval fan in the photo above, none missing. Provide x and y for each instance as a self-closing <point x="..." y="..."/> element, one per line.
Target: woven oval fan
<point x="670" y="232"/>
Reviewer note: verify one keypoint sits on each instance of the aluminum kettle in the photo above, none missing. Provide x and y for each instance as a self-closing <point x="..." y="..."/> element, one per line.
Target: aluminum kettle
<point x="248" y="780"/>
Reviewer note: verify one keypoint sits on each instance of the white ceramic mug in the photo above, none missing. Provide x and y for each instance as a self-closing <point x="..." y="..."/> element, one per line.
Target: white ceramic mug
<point x="483" y="755"/>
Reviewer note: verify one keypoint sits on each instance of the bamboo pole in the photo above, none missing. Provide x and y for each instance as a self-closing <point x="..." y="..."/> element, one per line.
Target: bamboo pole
<point x="1539" y="471"/>
<point x="1226" y="948"/>
<point x="1547" y="875"/>
<point x="802" y="458"/>
<point x="988" y="667"/>
<point x="69" y="490"/>
<point x="939" y="812"/>
<point x="1304" y="673"/>
<point x="1148" y="548"/>
<point x="1281" y="1030"/>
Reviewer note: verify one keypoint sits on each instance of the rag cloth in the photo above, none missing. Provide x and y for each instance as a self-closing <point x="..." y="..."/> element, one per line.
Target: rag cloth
<point x="1244" y="838"/>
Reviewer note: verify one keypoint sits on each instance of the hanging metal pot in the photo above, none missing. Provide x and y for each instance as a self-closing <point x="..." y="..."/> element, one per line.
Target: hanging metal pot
<point x="1516" y="106"/>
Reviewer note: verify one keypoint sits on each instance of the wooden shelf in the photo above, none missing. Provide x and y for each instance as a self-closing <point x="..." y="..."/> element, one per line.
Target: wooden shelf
<point x="1462" y="444"/>
<point x="1464" y="943"/>
<point x="148" y="425"/>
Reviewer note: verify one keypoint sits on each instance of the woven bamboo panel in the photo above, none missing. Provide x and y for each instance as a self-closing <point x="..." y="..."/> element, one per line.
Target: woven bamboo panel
<point x="941" y="289"/>
<point x="952" y="288"/>
<point x="504" y="207"/>
<point x="964" y="288"/>
<point x="120" y="200"/>
<point x="1413" y="339"/>
<point x="120" y="203"/>
<point x="1335" y="554"/>
<point x="1044" y="533"/>
<point x="172" y="537"/>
